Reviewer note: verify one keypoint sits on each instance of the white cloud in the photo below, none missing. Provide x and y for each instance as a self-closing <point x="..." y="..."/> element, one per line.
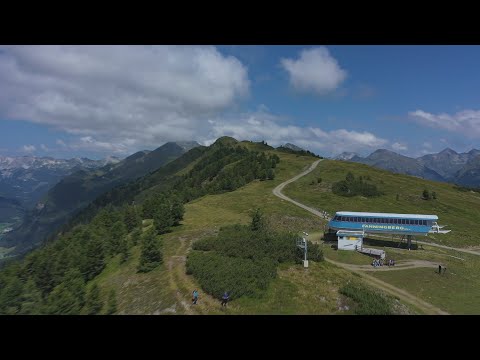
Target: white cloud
<point x="466" y="122"/>
<point x="44" y="147"/>
<point x="61" y="143"/>
<point x="315" y="70"/>
<point x="123" y="97"/>
<point x="29" y="148"/>
<point x="427" y="145"/>
<point x="264" y="126"/>
<point x="399" y="146"/>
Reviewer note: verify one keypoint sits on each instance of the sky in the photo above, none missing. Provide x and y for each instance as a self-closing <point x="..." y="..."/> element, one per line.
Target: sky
<point x="98" y="101"/>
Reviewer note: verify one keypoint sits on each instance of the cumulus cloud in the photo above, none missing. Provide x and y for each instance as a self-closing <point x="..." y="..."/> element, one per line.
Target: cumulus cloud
<point x="466" y="122"/>
<point x="315" y="70"/>
<point x="119" y="98"/>
<point x="399" y="146"/>
<point x="29" y="148"/>
<point x="265" y="126"/>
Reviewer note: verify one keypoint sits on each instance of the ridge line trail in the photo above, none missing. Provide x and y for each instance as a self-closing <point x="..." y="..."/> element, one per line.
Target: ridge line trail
<point x="402" y="294"/>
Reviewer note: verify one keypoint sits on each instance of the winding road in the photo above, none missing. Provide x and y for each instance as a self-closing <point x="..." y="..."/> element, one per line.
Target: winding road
<point x="400" y="293"/>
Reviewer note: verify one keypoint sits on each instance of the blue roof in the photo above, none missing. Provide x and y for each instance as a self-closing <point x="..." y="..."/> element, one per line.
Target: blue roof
<point x="388" y="215"/>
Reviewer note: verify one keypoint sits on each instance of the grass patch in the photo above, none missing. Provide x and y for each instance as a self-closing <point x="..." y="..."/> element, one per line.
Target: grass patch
<point x="457" y="209"/>
<point x="457" y="291"/>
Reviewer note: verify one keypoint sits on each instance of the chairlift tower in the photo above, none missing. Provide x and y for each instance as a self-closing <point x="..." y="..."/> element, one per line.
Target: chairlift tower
<point x="302" y="244"/>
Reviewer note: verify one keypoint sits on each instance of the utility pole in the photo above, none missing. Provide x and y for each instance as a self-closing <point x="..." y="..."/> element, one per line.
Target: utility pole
<point x="305" y="262"/>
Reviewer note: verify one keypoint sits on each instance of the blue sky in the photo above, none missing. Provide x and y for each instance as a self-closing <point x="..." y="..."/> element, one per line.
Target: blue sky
<point x="94" y="101"/>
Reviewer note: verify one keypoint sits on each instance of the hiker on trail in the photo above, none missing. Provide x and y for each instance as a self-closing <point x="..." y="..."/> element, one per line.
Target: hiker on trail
<point x="439" y="269"/>
<point x="195" y="297"/>
<point x="225" y="298"/>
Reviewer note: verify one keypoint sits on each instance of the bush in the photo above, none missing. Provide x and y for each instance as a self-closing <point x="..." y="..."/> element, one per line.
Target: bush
<point x="368" y="302"/>
<point x="218" y="273"/>
<point x="243" y="261"/>
<point x="425" y="195"/>
<point x="352" y="187"/>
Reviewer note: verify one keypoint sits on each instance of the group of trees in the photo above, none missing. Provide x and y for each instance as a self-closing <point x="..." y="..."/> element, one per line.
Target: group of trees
<point x="54" y="279"/>
<point x="298" y="152"/>
<point x="166" y="210"/>
<point x="427" y="195"/>
<point x="243" y="259"/>
<point x="226" y="169"/>
<point x="352" y="186"/>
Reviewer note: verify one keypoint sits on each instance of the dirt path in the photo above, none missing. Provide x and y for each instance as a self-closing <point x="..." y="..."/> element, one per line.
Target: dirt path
<point x="402" y="294"/>
<point x="392" y="290"/>
<point x="278" y="190"/>
<point x="182" y="284"/>
<point x="401" y="265"/>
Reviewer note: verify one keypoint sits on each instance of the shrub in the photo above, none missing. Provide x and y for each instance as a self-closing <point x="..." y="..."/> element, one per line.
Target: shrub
<point x="218" y="273"/>
<point x="368" y="302"/>
<point x="352" y="187"/>
<point x="243" y="261"/>
<point x="425" y="195"/>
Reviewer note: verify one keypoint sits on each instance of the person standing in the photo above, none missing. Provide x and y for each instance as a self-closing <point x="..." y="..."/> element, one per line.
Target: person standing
<point x="439" y="269"/>
<point x="195" y="297"/>
<point x="225" y="298"/>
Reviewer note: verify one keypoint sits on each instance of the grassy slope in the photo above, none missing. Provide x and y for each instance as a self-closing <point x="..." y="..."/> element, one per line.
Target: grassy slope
<point x="457" y="290"/>
<point x="459" y="210"/>
<point x="163" y="291"/>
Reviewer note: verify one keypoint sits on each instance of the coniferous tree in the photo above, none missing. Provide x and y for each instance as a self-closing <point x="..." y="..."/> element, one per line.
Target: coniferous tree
<point x="117" y="232"/>
<point x="177" y="211"/>
<point x="258" y="221"/>
<point x="151" y="255"/>
<point x="68" y="298"/>
<point x="132" y="219"/>
<point x="9" y="296"/>
<point x="112" y="303"/>
<point x="434" y="195"/>
<point x="162" y="218"/>
<point x="270" y="174"/>
<point x="426" y="195"/>
<point x="31" y="300"/>
<point x="95" y="258"/>
<point x="93" y="304"/>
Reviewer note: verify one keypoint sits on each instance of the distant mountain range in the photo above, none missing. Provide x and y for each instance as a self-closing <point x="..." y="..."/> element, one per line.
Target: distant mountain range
<point x="28" y="178"/>
<point x="78" y="189"/>
<point x="447" y="165"/>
